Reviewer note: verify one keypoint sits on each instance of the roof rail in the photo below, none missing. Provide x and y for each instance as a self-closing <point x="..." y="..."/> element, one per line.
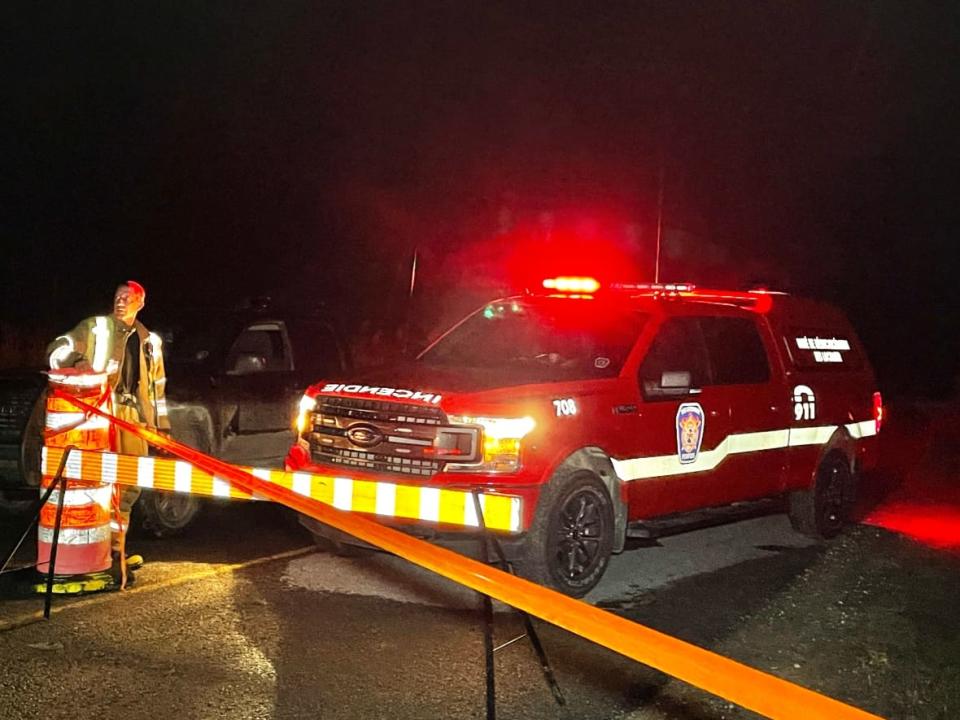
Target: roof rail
<point x="760" y="300"/>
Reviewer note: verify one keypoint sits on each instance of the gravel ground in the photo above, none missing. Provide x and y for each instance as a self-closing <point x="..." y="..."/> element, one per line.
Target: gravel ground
<point x="873" y="622"/>
<point x="870" y="619"/>
<point x="873" y="619"/>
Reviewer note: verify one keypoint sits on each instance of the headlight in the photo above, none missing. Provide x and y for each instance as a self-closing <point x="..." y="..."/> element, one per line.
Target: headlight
<point x="307" y="405"/>
<point x="501" y="442"/>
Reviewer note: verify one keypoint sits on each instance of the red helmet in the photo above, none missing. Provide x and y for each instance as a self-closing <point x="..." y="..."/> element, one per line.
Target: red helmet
<point x="137" y="289"/>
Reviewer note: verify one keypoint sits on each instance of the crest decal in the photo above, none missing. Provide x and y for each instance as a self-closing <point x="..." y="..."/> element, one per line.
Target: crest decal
<point x="690" y="422"/>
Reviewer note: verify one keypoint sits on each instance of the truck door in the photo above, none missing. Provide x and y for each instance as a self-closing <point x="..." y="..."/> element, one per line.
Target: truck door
<point x="317" y="353"/>
<point x="256" y="393"/>
<point x="680" y="426"/>
<point x="741" y="372"/>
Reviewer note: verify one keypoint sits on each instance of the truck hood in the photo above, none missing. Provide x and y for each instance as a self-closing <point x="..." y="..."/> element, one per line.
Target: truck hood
<point x="184" y="388"/>
<point x="455" y="386"/>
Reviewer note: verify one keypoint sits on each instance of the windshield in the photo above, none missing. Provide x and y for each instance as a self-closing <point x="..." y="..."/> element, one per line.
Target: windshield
<point x="190" y="340"/>
<point x="541" y="340"/>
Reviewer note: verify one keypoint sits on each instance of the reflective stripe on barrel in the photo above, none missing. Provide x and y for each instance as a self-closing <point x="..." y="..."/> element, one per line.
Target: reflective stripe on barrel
<point x="83" y="542"/>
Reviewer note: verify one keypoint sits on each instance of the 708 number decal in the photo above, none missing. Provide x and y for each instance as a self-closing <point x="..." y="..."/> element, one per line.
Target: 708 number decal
<point x="565" y="407"/>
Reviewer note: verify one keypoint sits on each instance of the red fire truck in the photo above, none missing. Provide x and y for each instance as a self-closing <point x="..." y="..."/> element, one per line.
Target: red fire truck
<point x="612" y="412"/>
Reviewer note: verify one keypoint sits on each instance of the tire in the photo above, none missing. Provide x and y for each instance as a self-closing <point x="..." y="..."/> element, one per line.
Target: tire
<point x="21" y="499"/>
<point x="169" y="514"/>
<point x="32" y="445"/>
<point x="823" y="510"/>
<point x="570" y="541"/>
<point x="166" y="514"/>
<point x="16" y="502"/>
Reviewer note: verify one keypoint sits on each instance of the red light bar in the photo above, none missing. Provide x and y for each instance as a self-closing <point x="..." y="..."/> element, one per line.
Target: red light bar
<point x="572" y="284"/>
<point x="655" y="288"/>
<point x="878" y="411"/>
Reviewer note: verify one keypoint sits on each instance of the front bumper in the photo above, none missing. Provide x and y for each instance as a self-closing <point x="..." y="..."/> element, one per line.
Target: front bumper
<point x="438" y="505"/>
<point x="466" y="542"/>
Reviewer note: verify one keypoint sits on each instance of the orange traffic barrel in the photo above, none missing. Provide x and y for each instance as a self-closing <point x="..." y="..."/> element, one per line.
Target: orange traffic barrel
<point x="84" y="539"/>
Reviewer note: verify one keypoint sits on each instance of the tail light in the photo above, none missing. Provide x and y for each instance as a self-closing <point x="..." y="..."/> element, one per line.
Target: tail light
<point x="878" y="410"/>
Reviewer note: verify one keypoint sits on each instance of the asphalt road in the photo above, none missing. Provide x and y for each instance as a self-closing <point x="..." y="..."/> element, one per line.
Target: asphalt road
<point x="242" y="618"/>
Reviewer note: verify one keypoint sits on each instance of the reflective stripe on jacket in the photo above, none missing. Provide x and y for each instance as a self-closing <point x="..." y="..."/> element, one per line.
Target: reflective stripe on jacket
<point x="101" y="341"/>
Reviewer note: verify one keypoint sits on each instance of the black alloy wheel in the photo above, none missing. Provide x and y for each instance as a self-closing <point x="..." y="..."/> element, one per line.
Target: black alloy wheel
<point x="166" y="514"/>
<point x="832" y="480"/>
<point x="578" y="534"/>
<point x="822" y="511"/>
<point x="570" y="541"/>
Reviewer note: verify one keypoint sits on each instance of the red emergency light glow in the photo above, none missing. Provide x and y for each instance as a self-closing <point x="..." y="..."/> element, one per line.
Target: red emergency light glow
<point x="572" y="284"/>
<point x="760" y="301"/>
<point x="655" y="288"/>
<point x="878" y="410"/>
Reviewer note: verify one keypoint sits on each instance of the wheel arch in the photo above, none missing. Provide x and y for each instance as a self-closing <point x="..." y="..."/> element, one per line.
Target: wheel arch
<point x="596" y="460"/>
<point x="840" y="443"/>
<point x="193" y="426"/>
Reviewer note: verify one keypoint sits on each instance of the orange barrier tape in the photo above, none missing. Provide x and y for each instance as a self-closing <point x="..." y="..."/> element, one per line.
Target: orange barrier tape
<point x="750" y="688"/>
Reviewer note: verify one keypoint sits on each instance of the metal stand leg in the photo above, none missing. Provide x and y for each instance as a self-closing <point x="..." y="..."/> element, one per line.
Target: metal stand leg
<point x="531" y="632"/>
<point x="61" y="481"/>
<point x="488" y="655"/>
<point x="488" y="633"/>
<point x="34" y="519"/>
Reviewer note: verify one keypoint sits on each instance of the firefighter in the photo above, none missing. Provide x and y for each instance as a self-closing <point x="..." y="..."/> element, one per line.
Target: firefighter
<point x="132" y="357"/>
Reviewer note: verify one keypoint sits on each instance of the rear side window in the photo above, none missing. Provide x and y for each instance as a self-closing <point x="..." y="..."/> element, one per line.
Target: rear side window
<point x="822" y="349"/>
<point x="264" y="345"/>
<point x="737" y="355"/>
<point x="714" y="350"/>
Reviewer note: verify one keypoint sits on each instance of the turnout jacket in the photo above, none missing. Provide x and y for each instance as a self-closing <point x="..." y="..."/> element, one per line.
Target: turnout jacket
<point x="101" y="341"/>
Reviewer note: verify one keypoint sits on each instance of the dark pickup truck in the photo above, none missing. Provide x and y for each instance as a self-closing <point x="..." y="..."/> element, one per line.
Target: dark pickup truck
<point x="22" y="395"/>
<point x="234" y="381"/>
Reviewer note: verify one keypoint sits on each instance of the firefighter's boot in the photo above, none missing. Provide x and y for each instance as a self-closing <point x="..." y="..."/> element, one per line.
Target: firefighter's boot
<point x="134" y="562"/>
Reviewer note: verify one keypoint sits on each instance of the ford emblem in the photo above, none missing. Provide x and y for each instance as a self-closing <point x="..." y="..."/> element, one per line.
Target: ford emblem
<point x="365" y="436"/>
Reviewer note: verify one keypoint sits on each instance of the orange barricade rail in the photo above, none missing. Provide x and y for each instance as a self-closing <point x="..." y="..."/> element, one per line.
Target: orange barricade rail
<point x="409" y="502"/>
<point x="753" y="689"/>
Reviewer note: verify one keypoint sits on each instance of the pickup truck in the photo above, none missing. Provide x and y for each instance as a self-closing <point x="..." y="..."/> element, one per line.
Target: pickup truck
<point x="22" y="395"/>
<point x="234" y="381"/>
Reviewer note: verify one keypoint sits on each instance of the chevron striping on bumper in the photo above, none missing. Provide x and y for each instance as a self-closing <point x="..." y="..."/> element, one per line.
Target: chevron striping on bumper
<point x="408" y="502"/>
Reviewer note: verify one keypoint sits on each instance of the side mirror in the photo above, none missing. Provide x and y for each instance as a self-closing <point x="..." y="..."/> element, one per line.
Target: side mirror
<point x="247" y="364"/>
<point x="673" y="383"/>
<point x="675" y="380"/>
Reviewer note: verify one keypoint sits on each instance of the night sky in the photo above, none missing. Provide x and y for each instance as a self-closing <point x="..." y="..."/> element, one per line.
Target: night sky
<point x="214" y="151"/>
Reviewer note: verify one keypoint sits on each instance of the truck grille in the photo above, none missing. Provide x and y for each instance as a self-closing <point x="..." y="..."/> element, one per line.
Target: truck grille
<point x="388" y="437"/>
<point x="15" y="409"/>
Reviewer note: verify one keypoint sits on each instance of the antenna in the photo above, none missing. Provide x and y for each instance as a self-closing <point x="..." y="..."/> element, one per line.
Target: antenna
<point x="656" y="263"/>
<point x="413" y="273"/>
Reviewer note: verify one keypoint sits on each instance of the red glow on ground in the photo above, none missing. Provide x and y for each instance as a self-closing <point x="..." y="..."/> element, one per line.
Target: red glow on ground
<point x="918" y="468"/>
<point x="935" y="525"/>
